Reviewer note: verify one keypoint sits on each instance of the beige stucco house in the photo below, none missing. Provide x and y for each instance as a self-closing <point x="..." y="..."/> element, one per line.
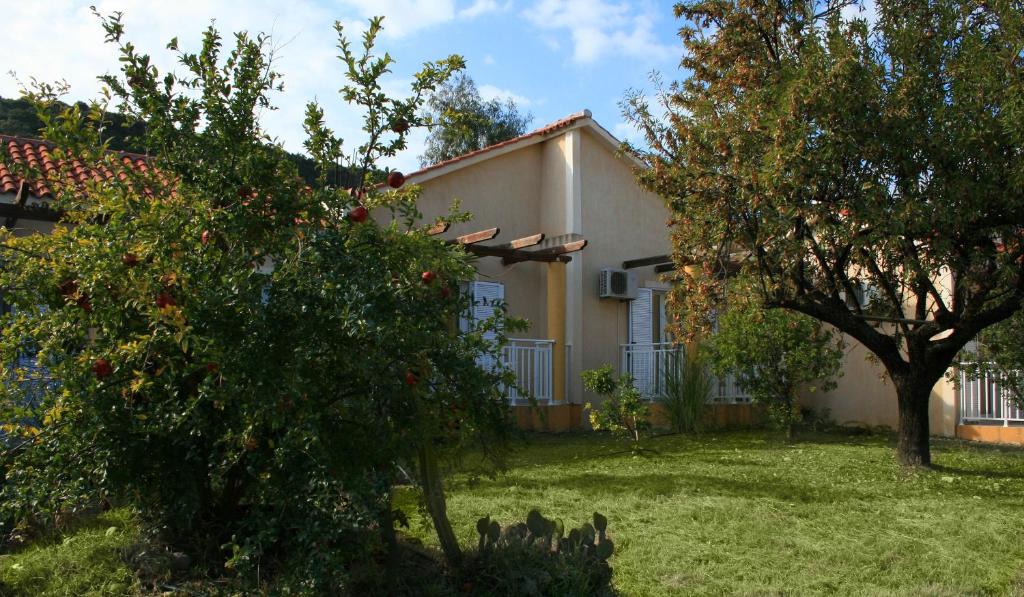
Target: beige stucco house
<point x="567" y="181"/>
<point x="571" y="215"/>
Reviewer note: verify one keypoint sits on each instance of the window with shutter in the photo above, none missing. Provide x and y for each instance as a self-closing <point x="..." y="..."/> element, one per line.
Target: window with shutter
<point x="641" y="327"/>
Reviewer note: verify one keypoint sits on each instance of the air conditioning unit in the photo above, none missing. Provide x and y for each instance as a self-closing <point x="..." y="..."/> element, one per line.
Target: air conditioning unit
<point x="617" y="283"/>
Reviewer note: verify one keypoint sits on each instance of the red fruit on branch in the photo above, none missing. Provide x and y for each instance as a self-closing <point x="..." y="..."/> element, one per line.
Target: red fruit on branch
<point x="411" y="378"/>
<point x="446" y="292"/>
<point x="400" y="126"/>
<point x="84" y="303"/>
<point x="358" y="214"/>
<point x="205" y="237"/>
<point x="428" y="277"/>
<point x="396" y="179"/>
<point x="102" y="369"/>
<point x="164" y="300"/>
<point x="130" y="259"/>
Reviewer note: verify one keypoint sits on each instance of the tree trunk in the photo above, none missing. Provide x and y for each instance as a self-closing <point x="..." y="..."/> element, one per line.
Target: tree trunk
<point x="433" y="493"/>
<point x="912" y="447"/>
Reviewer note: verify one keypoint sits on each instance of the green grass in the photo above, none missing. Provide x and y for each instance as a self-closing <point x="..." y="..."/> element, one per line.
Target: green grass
<point x="746" y="513"/>
<point x="86" y="561"/>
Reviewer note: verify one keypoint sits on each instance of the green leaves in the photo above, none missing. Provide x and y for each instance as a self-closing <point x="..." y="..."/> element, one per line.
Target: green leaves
<point x="257" y="343"/>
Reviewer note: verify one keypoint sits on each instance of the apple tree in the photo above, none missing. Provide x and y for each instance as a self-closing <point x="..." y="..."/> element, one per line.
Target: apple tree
<point x="244" y="358"/>
<point x="833" y="155"/>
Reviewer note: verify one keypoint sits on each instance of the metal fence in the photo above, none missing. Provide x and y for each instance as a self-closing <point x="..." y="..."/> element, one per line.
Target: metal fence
<point x="649" y="364"/>
<point x="530" y="360"/>
<point x="986" y="399"/>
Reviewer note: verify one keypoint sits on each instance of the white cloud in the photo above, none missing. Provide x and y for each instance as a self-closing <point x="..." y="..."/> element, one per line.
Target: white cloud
<point x="403" y="17"/>
<point x="490" y="92"/>
<point x="478" y="8"/>
<point x="488" y="59"/>
<point x="600" y="27"/>
<point x="302" y="35"/>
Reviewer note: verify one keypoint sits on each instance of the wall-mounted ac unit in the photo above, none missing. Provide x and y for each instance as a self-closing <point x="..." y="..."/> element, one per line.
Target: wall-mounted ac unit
<point x="617" y="283"/>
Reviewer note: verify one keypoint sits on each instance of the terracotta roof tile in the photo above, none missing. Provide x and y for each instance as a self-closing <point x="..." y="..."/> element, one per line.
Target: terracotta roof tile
<point x="35" y="154"/>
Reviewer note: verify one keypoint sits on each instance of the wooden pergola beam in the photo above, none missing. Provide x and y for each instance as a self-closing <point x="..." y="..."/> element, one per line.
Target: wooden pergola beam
<point x="521" y="243"/>
<point x="664" y="267"/>
<point x="645" y="261"/>
<point x="543" y="254"/>
<point x="476" y="237"/>
<point x="440" y="228"/>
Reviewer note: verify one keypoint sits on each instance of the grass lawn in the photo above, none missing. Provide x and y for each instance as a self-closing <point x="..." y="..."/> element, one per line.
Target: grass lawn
<point x="748" y="513"/>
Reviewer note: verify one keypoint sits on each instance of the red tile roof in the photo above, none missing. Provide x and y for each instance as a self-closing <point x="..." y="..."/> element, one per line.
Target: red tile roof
<point x="542" y="131"/>
<point x="35" y="154"/>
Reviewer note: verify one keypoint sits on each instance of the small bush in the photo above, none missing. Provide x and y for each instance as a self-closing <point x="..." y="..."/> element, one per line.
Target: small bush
<point x="538" y="558"/>
<point x="686" y="385"/>
<point x="623" y="411"/>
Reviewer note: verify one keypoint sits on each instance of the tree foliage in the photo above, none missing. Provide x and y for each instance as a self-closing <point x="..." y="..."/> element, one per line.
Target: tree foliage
<point x="824" y="152"/>
<point x="242" y="356"/>
<point x="461" y="121"/>
<point x="775" y="355"/>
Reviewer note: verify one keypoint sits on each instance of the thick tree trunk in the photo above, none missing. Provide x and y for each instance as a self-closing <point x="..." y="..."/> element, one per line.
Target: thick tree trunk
<point x="912" y="447"/>
<point x="433" y="493"/>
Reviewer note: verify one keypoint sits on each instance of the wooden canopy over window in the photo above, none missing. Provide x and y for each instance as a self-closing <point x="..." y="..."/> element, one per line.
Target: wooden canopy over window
<point x="515" y="251"/>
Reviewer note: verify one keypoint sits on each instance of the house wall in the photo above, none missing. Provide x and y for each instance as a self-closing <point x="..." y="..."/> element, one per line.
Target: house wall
<point x="503" y="192"/>
<point x="865" y="396"/>
<point x="622" y="221"/>
<point x="571" y="182"/>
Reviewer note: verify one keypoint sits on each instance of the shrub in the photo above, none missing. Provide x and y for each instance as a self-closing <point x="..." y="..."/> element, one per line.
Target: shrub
<point x="242" y="357"/>
<point x="686" y="385"/>
<point x="623" y="411"/>
<point x="538" y="558"/>
<point x="774" y="354"/>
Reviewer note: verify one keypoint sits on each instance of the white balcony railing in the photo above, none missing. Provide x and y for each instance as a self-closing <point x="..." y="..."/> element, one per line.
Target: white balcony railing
<point x="649" y="363"/>
<point x="531" y="361"/>
<point x="987" y="400"/>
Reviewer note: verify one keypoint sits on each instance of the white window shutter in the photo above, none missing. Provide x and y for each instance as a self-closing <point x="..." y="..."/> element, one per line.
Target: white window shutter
<point x="641" y="364"/>
<point x="640" y="320"/>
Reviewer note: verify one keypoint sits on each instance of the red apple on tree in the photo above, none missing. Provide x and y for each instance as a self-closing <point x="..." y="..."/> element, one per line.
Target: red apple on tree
<point x="164" y="300"/>
<point x="428" y="277"/>
<point x="396" y="179"/>
<point x="101" y="368"/>
<point x="358" y="214"/>
<point x="205" y="237"/>
<point x="411" y="378"/>
<point x="445" y="292"/>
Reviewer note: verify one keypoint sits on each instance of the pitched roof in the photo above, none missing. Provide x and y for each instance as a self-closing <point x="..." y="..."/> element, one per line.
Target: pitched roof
<point x="579" y="119"/>
<point x="24" y="152"/>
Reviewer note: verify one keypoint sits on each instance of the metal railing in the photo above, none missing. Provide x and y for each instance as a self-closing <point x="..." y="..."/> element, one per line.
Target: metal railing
<point x="985" y="399"/>
<point x="531" y="361"/>
<point x="649" y="363"/>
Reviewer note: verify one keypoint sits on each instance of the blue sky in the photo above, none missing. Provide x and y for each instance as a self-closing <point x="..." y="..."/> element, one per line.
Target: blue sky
<point x="554" y="57"/>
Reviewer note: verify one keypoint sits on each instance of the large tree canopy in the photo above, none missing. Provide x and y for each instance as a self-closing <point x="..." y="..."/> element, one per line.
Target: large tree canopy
<point x="462" y="121"/>
<point x="832" y="155"/>
<point x="243" y="357"/>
